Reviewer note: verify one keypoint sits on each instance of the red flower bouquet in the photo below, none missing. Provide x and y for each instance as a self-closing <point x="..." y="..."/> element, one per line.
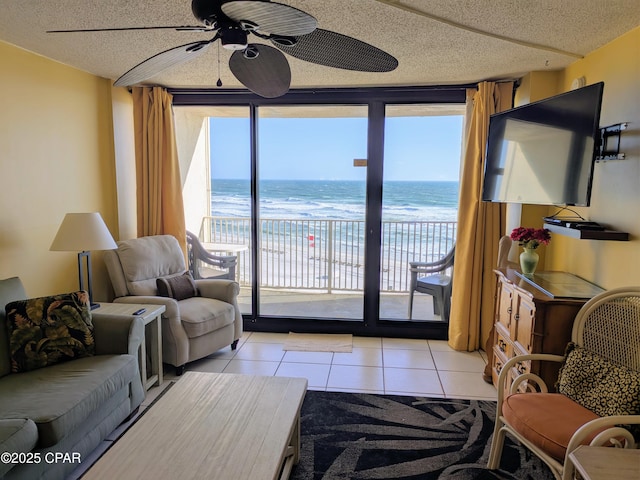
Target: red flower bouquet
<point x="531" y="237"/>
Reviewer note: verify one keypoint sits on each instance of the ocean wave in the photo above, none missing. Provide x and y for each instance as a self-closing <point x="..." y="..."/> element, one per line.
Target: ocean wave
<point x="341" y="200"/>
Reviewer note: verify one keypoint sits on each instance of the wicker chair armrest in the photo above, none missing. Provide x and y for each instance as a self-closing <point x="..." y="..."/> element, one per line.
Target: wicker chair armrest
<point x="502" y="377"/>
<point x="532" y="380"/>
<point x="612" y="435"/>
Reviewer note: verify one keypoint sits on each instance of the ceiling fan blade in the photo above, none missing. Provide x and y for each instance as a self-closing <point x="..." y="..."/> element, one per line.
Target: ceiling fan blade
<point x="162" y="61"/>
<point x="192" y="28"/>
<point x="271" y="17"/>
<point x="267" y="74"/>
<point x="340" y="51"/>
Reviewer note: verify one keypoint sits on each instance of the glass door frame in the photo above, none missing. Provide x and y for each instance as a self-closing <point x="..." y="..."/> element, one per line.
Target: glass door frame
<point x="376" y="99"/>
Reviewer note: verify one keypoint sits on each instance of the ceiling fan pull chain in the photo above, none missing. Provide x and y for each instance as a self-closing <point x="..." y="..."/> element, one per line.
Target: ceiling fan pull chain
<point x="219" y="82"/>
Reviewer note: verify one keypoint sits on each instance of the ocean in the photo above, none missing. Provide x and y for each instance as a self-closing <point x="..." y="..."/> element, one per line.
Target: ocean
<point x="313" y="235"/>
<point x="340" y="200"/>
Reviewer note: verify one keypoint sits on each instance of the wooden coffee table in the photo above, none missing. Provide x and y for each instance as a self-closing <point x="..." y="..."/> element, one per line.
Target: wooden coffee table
<point x="214" y="426"/>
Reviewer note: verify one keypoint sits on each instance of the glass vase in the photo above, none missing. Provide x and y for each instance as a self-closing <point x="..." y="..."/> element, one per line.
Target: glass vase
<point x="528" y="261"/>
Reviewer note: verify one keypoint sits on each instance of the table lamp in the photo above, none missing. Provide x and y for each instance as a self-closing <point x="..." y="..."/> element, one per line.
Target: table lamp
<point x="83" y="232"/>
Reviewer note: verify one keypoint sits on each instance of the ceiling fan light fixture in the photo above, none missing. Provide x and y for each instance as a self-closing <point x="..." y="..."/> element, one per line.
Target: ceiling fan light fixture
<point x="234" y="39"/>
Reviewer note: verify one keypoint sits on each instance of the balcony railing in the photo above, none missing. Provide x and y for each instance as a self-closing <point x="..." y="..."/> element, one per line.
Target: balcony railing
<point x="328" y="255"/>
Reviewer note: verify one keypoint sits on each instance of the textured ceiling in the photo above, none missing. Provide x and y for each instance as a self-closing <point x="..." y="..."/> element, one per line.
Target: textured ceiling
<point x="437" y="42"/>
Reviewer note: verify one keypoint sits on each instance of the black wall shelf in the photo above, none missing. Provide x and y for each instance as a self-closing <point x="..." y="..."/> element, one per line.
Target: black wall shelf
<point x="583" y="234"/>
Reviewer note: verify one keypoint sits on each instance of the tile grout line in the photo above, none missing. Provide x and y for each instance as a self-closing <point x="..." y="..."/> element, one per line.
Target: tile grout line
<point x="435" y="366"/>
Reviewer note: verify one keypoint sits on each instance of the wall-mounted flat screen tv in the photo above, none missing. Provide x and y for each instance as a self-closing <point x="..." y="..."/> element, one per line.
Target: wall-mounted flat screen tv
<point x="544" y="152"/>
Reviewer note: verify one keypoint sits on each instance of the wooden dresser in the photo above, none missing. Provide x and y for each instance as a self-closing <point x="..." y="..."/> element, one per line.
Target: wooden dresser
<point x="528" y="320"/>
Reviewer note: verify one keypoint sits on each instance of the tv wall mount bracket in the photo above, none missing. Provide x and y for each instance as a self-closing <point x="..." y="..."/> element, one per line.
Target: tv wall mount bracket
<point x="609" y="144"/>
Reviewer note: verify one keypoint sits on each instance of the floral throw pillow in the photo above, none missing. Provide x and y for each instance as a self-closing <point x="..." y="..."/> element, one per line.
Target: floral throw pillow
<point x="49" y="330"/>
<point x="598" y="384"/>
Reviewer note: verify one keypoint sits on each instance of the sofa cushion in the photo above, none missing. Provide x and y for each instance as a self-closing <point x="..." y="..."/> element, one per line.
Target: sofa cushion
<point x="48" y="330"/>
<point x="548" y="420"/>
<point x="61" y="397"/>
<point x="202" y="315"/>
<point x="18" y="435"/>
<point x="179" y="287"/>
<point x="598" y="384"/>
<point x="11" y="289"/>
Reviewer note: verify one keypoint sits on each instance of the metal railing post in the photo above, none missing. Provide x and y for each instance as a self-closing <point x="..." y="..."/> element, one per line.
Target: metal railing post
<point x="330" y="256"/>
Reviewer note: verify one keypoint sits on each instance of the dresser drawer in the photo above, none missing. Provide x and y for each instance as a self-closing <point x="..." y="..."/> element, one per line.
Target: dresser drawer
<point x="503" y="342"/>
<point x="499" y="359"/>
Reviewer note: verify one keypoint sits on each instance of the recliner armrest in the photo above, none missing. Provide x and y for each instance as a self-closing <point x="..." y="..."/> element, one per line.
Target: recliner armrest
<point x="225" y="290"/>
<point x="118" y="334"/>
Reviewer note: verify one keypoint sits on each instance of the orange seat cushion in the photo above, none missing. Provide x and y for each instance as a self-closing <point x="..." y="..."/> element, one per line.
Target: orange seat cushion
<point x="548" y="420"/>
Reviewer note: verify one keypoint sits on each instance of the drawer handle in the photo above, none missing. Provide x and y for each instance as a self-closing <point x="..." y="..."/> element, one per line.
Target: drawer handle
<point x="516" y="316"/>
<point x="509" y="310"/>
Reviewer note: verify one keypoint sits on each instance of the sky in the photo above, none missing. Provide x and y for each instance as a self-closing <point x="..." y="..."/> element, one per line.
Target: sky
<point x="416" y="148"/>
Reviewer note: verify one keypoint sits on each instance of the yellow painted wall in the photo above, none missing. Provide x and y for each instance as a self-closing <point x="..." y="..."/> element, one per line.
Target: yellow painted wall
<point x="615" y="200"/>
<point x="56" y="156"/>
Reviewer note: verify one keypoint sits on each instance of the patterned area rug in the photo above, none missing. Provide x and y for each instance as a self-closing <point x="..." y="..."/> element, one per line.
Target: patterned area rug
<point x="366" y="436"/>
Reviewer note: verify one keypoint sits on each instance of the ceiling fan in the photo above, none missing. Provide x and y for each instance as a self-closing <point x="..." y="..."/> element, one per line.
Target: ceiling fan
<point x="261" y="68"/>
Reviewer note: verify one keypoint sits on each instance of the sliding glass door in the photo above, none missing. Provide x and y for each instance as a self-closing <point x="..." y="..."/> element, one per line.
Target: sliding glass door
<point x="227" y="228"/>
<point x="419" y="204"/>
<point x="311" y="191"/>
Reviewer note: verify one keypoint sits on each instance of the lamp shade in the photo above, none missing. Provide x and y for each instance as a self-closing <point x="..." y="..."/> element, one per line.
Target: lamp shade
<point x="83" y="232"/>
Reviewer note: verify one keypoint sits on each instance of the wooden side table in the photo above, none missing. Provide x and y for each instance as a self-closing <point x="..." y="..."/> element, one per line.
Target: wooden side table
<point x="606" y="463"/>
<point x="152" y="318"/>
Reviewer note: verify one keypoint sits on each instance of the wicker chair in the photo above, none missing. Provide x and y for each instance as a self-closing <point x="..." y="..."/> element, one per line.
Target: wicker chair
<point x="606" y="332"/>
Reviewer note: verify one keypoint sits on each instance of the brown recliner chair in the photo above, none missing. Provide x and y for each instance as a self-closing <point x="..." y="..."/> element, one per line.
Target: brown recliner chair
<point x="192" y="327"/>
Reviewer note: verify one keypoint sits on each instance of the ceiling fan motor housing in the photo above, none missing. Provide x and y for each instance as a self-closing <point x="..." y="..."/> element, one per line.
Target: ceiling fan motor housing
<point x="233" y="38"/>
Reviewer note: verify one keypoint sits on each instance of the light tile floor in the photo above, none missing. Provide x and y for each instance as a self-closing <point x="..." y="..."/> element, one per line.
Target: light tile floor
<point x="376" y="365"/>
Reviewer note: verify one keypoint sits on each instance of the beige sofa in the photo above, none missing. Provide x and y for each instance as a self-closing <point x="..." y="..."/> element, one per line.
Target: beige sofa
<point x="192" y="327"/>
<point x="68" y="407"/>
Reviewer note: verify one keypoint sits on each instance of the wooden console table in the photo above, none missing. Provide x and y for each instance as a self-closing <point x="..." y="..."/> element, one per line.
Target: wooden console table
<point x="533" y="319"/>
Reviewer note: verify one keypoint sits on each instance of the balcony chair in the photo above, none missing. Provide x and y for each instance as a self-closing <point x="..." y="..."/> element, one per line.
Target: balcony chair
<point x="204" y="264"/>
<point x="598" y="388"/>
<point x="435" y="282"/>
<point x="202" y="316"/>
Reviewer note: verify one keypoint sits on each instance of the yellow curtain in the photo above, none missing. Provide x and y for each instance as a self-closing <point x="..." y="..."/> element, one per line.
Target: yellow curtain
<point x="159" y="187"/>
<point x="480" y="226"/>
